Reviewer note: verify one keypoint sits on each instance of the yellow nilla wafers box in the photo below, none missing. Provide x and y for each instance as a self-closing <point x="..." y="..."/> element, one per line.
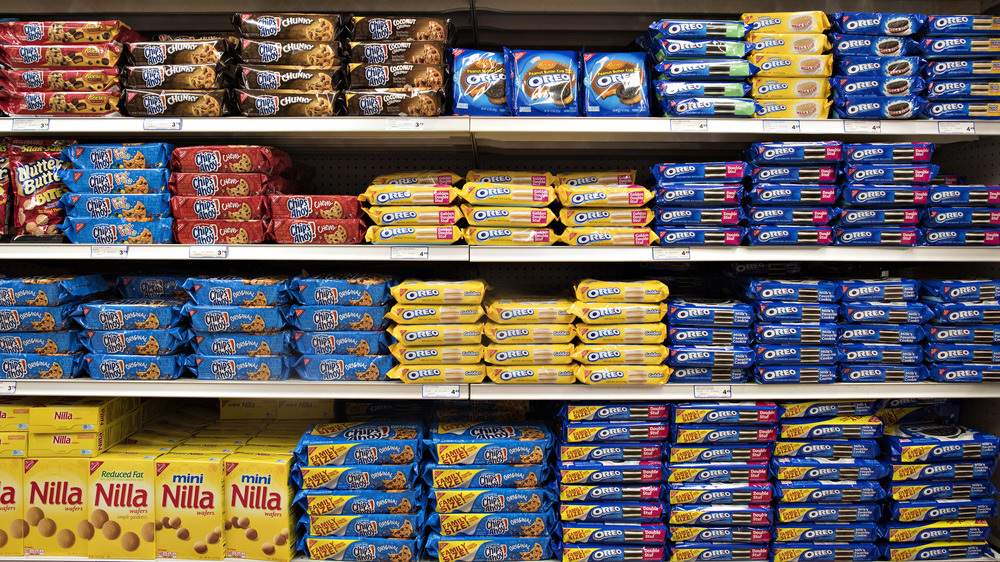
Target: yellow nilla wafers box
<point x="190" y="508"/>
<point x="259" y="507"/>
<point x="56" y="519"/>
<point x="12" y="523"/>
<point x="122" y="506"/>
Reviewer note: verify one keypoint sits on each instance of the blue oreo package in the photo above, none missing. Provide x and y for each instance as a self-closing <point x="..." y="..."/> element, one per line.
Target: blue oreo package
<point x="43" y="343"/>
<point x="341" y="289"/>
<point x="542" y="82"/>
<point x="695" y="514"/>
<point x="711" y="172"/>
<point x="713" y="493"/>
<point x="913" y="410"/>
<point x="683" y="89"/>
<point x="878" y="217"/>
<point x="750" y="452"/>
<point x="603" y="431"/>
<point x="148" y="180"/>
<point x="809" y="552"/>
<point x="610" y="451"/>
<point x="839" y="427"/>
<point x="340" y="502"/>
<point x="943" y="491"/>
<point x="951" y="25"/>
<point x="888" y="153"/>
<point x="886" y="312"/>
<point x="725" y="412"/>
<point x="709" y="107"/>
<point x="341" y="343"/>
<point x="962" y="353"/>
<point x="878" y="23"/>
<point x="34" y="366"/>
<point x="710" y="356"/>
<point x="615" y="84"/>
<point x="845" y="45"/>
<point x="716" y="535"/>
<point x="151" y="286"/>
<point x="613" y="512"/>
<point x="811" y="290"/>
<point x="49" y="291"/>
<point x="867" y="195"/>
<point x="35" y="318"/>
<point x="963" y="372"/>
<point x="874" y="236"/>
<point x="687" y="434"/>
<point x="777" y="311"/>
<point x="881" y="333"/>
<point x="791" y="374"/>
<point x="235" y="367"/>
<point x="117" y="231"/>
<point x="697" y="375"/>
<point x="976" y="195"/>
<point x="792" y="194"/>
<point x="962" y="69"/>
<point x="964" y="312"/>
<point x="882" y="373"/>
<point x="614" y="533"/>
<point x="878" y="107"/>
<point x="828" y="533"/>
<point x="735" y="314"/>
<point x="479" y="83"/>
<point x="115" y="156"/>
<point x="441" y="476"/>
<point x="135" y="342"/>
<point x="781" y="153"/>
<point x="972" y="290"/>
<point x="795" y="174"/>
<point x="698" y="194"/>
<point x="938" y="471"/>
<point x="233" y="290"/>
<point x="698" y="29"/>
<point x="961" y="216"/>
<point x="603" y="412"/>
<point x="321" y="318"/>
<point x="700" y="236"/>
<point x="121" y="205"/>
<point x="790" y="235"/>
<point x="979" y="333"/>
<point x="827" y="408"/>
<point x="684" y="335"/>
<point x="666" y="49"/>
<point x="611" y="492"/>
<point x="603" y="472"/>
<point x="962" y="237"/>
<point x="888" y="67"/>
<point x="134" y="314"/>
<point x="132" y="367"/>
<point x="717" y="472"/>
<point x="828" y="448"/>
<point x="817" y="491"/>
<point x="966" y="549"/>
<point x="215" y="319"/>
<point x="940" y="510"/>
<point x="938" y="531"/>
<point x="692" y="216"/>
<point x="958" y="90"/>
<point x="828" y="513"/>
<point x="707" y="69"/>
<point x="784" y="354"/>
<point x="960" y="109"/>
<point x="877" y="86"/>
<point x="235" y="343"/>
<point x="701" y="552"/>
<point x="893" y="354"/>
<point x="890" y="173"/>
<point x="344" y="367"/>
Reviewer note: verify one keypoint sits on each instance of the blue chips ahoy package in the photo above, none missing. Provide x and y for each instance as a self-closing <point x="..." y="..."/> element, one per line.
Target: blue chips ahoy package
<point x="376" y="525"/>
<point x="479" y="83"/>
<point x="492" y="524"/>
<point x="332" y="318"/>
<point x="35" y="318"/>
<point x="615" y="84"/>
<point x="131" y="206"/>
<point x="356" y="477"/>
<point x="124" y="156"/>
<point x="33" y="366"/>
<point x="248" y="320"/>
<point x="42" y="343"/>
<point x="48" y="291"/>
<point x="490" y="443"/>
<point x="493" y="500"/>
<point x="234" y="343"/>
<point x="354" y="443"/>
<point x="238" y="291"/>
<point x="117" y="231"/>
<point x="341" y="343"/>
<point x="151" y="286"/>
<point x="337" y="502"/>
<point x="138" y="314"/>
<point x="878" y="23"/>
<point x="344" y="367"/>
<point x="542" y="82"/>
<point x="235" y="367"/>
<point x="134" y="342"/>
<point x="486" y="476"/>
<point x="475" y="549"/>
<point x="132" y="367"/>
<point x="341" y="289"/>
<point x="137" y="181"/>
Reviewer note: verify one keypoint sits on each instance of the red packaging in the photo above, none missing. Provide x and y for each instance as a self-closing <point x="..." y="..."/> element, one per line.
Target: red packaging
<point x="233" y="185"/>
<point x="37" y="189"/>
<point x="21" y="144"/>
<point x="317" y="231"/>
<point x="59" y="103"/>
<point x="314" y="206"/>
<point x="84" y="55"/>
<point x="194" y="231"/>
<point x="60" y="79"/>
<point x="59" y="32"/>
<point x="225" y="208"/>
<point x="241" y="159"/>
<point x="4" y="185"/>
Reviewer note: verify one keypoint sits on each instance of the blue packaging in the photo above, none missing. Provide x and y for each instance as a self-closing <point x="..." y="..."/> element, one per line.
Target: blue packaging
<point x="721" y="515"/>
<point x="710" y="356"/>
<point x="974" y="470"/>
<point x="611" y="451"/>
<point x="496" y="476"/>
<point x="940" y="410"/>
<point x="214" y="319"/>
<point x="874" y="107"/>
<point x="781" y="153"/>
<point x="482" y="550"/>
<point x="751" y="452"/>
<point x="135" y="314"/>
<point x="829" y="533"/>
<point x="811" y="290"/>
<point x="795" y="311"/>
<point x="149" y="180"/>
<point x="890" y="173"/>
<point x="42" y="343"/>
<point x="977" y="195"/>
<point x="712" y="434"/>
<point x="964" y="312"/>
<point x="849" y="45"/>
<point x="604" y="431"/>
<point x="795" y="174"/>
<point x="943" y="491"/>
<point x="828" y="513"/>
<point x="494" y="443"/>
<point x="886" y="312"/>
<point x="791" y="374"/>
<point x="49" y="291"/>
<point x="961" y="69"/>
<point x="980" y="333"/>
<point x="790" y="215"/>
<point x="33" y="366"/>
<point x="958" y="90"/>
<point x="232" y="290"/>
<point x="695" y="236"/>
<point x="704" y="551"/>
<point x="784" y="354"/>
<point x="712" y="493"/>
<point x="717" y="472"/>
<point x="613" y="512"/>
<point x="824" y="408"/>
<point x="812" y="491"/>
<point x="716" y="535"/>
<point x="840" y="427"/>
<point x="541" y="82"/>
<point x="888" y="153"/>
<point x="877" y="333"/>
<point x="939" y="550"/>
<point x="828" y="448"/>
<point x="882" y="353"/>
<point x="677" y="89"/>
<point x="614" y="533"/>
<point x="479" y="83"/>
<point x="709" y="107"/>
<point x="132" y="367"/>
<point x="962" y="353"/>
<point x="615" y="85"/>
<point x="888" y="67"/>
<point x="115" y="156"/>
<point x="972" y="290"/>
<point x="492" y="524"/>
<point x="613" y="411"/>
<point x="697" y="375"/>
<point x="117" y="231"/>
<point x="960" y="109"/>
<point x="725" y="412"/>
<point x="603" y="472"/>
<point x="344" y="367"/>
<point x="875" y="195"/>
<point x="962" y="25"/>
<point x="938" y="531"/>
<point x="151" y="286"/>
<point x="877" y="86"/>
<point x="234" y="367"/>
<point x="698" y="29"/>
<point x="380" y="525"/>
<point x="235" y="343"/>
<point x="708" y="69"/>
<point x="809" y="552"/>
<point x="693" y="216"/>
<point x="341" y="343"/>
<point x="682" y="335"/>
<point x="962" y="237"/>
<point x="665" y="49"/>
<point x="712" y="172"/>
<point x="878" y="217"/>
<point x="961" y="217"/>
<point x="882" y="373"/>
<point x="940" y="510"/>
<point x="790" y="235"/>
<point x="95" y="206"/>
<point x="356" y="477"/>
<point x="873" y="236"/>
<point x="793" y="194"/>
<point x="341" y="289"/>
<point x="340" y="502"/>
<point x="320" y="318"/>
<point x="734" y="314"/>
<point x="878" y="23"/>
<point x="135" y="342"/>
<point x="698" y="194"/>
<point x="35" y="318"/>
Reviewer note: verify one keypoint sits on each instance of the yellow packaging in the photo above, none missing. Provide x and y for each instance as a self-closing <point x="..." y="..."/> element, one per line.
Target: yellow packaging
<point x="13" y="444"/>
<point x="413" y="216"/>
<point x="412" y="291"/>
<point x="11" y="507"/>
<point x="190" y="507"/>
<point x="304" y="408"/>
<point x="603" y="196"/>
<point x="510" y="194"/>
<point x="787" y="22"/>
<point x="205" y="448"/>
<point x="75" y="444"/>
<point x="783" y="65"/>
<point x="443" y="314"/>
<point x="530" y="333"/>
<point x="601" y="354"/>
<point x="785" y="88"/>
<point x="438" y="334"/>
<point x="508" y="216"/>
<point x="404" y="195"/>
<point x="267" y="449"/>
<point x="139" y="449"/>
<point x="607" y="177"/>
<point x="608" y="236"/>
<point x="452" y="374"/>
<point x="413" y="234"/>
<point x="524" y="354"/>
<point x="55" y="506"/>
<point x="499" y="236"/>
<point x="530" y="311"/>
<point x="80" y="414"/>
<point x="793" y="109"/>
<point x="216" y="440"/>
<point x="531" y="374"/>
<point x="259" y="506"/>
<point x="122" y="507"/>
<point x="420" y="177"/>
<point x="507" y="176"/>
<point x="436" y="355"/>
<point x="152" y="439"/>
<point x="247" y="408"/>
<point x="606" y="217"/>
<point x="790" y="43"/>
<point x="623" y="374"/>
<point x="14" y="414"/>
<point x="650" y="291"/>
<point x="614" y="313"/>
<point x="648" y="333"/>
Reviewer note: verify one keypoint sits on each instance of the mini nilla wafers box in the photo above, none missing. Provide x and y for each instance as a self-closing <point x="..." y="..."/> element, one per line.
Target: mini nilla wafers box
<point x="190" y="506"/>
<point x="122" y="502"/>
<point x="259" y="507"/>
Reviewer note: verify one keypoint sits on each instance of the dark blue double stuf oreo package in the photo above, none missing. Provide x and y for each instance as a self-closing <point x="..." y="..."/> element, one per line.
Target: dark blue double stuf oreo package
<point x="962" y="237"/>
<point x="879" y="217"/>
<point x="896" y="86"/>
<point x="948" y="217"/>
<point x="889" y="67"/>
<point x="888" y="153"/>
<point x="790" y="235"/>
<point x="700" y="236"/>
<point x="871" y="45"/>
<point x="479" y="83"/>
<point x="783" y="153"/>
<point x="877" y="107"/>
<point x="972" y="195"/>
<point x="878" y="23"/>
<point x="792" y="194"/>
<point x="542" y="82"/>
<point x="871" y="195"/>
<point x="615" y="84"/>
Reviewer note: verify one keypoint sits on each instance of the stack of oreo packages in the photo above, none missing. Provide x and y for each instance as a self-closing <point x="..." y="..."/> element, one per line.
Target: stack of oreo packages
<point x="398" y="65"/>
<point x="611" y="476"/>
<point x="37" y="340"/>
<point x="292" y="65"/>
<point x="960" y="214"/>
<point x="413" y="207"/>
<point x="793" y="192"/>
<point x="940" y="488"/>
<point x="789" y="50"/>
<point x="796" y="330"/>
<point x="344" y="353"/>
<point x="719" y="483"/>
<point x="878" y="65"/>
<point x="358" y="487"/>
<point x="530" y="340"/>
<point x="961" y="71"/>
<point x="513" y="213"/>
<point x="880" y="330"/>
<point x="963" y="338"/>
<point x="709" y="341"/>
<point x="827" y="475"/>
<point x="887" y="188"/>
<point x="604" y="207"/>
<point x="700" y="68"/>
<point x="696" y="203"/>
<point x="490" y="498"/>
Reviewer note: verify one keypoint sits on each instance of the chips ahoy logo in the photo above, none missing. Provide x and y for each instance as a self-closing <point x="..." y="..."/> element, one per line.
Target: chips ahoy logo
<point x="9" y="320"/>
<point x="220" y="296"/>
<point x="205" y="234"/>
<point x="29" y="55"/>
<point x="152" y="76"/>
<point x="331" y="369"/>
<point x="495" y="552"/>
<point x="370" y="105"/>
<point x="151" y="287"/>
<point x="269" y="52"/>
<point x="380" y="29"/>
<point x="101" y="183"/>
<point x="104" y="233"/>
<point x="376" y="54"/>
<point x="205" y="185"/>
<point x="325" y="320"/>
<point x="34" y="31"/>
<point x="154" y="105"/>
<point x="268" y="26"/>
<point x="34" y="101"/>
<point x="299" y="207"/>
<point x="206" y="209"/>
<point x="377" y="75"/>
<point x="302" y="232"/>
<point x="14" y="368"/>
<point x="99" y="208"/>
<point x="222" y="369"/>
<point x="102" y="159"/>
<point x="112" y="369"/>
<point x="266" y="105"/>
<point x="268" y="80"/>
<point x="155" y="54"/>
<point x="32" y="78"/>
<point x="224" y="347"/>
<point x="11" y="344"/>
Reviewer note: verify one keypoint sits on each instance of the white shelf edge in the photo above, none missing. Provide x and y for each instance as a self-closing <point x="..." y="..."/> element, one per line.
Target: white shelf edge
<point x="275" y="252"/>
<point x="736" y="253"/>
<point x="402" y="126"/>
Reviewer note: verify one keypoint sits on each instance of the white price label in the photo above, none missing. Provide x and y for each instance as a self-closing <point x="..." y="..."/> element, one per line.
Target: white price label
<point x="404" y="124"/>
<point x="208" y="251"/>
<point x="852" y="126"/>
<point x="161" y="124"/>
<point x="8" y="387"/>
<point x="664" y="253"/>
<point x="781" y="126"/>
<point x="689" y="125"/>
<point x="109" y="251"/>
<point x="32" y="124"/>
<point x="713" y="391"/>
<point x="957" y="127"/>
<point x="441" y="391"/>
<point x="409" y="253"/>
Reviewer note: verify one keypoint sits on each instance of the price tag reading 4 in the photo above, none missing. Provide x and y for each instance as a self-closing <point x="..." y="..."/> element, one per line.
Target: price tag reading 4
<point x="851" y="126"/>
<point x="663" y="253"/>
<point x="713" y="391"/>
<point x="208" y="251"/>
<point x="441" y="391"/>
<point x="409" y="253"/>
<point x="111" y="252"/>
<point x="689" y="125"/>
<point x="779" y="126"/>
<point x="957" y="127"/>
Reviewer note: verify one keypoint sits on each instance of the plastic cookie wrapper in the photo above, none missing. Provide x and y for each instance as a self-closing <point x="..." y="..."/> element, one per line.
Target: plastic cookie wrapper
<point x="827" y="408"/>
<point x="712" y="434"/>
<point x="382" y="525"/>
<point x="531" y="374"/>
<point x="48" y="291"/>
<point x="608" y="452"/>
<point x="683" y="89"/>
<point x="135" y="342"/>
<point x="828" y="532"/>
<point x="527" y="217"/>
<point x="345" y="502"/>
<point x="787" y="43"/>
<point x="140" y="314"/>
<point x="234" y="343"/>
<point x="756" y="493"/>
<point x="728" y="412"/>
<point x="839" y="427"/>
<point x="635" y="411"/>
<point x="878" y="23"/>
<point x="623" y="374"/>
<point x="787" y="22"/>
<point x="132" y="367"/>
<point x="412" y="291"/>
<point x="607" y="236"/>
<point x="634" y="334"/>
<point x="535" y="178"/>
<point x="408" y="195"/>
<point x="522" y="354"/>
<point x="833" y="448"/>
<point x="434" y="314"/>
<point x="968" y="529"/>
<point x="797" y="153"/>
<point x="798" y="491"/>
<point x="421" y="177"/>
<point x="133" y="181"/>
<point x="128" y="206"/>
<point x="314" y="206"/>
<point x="450" y="374"/>
<point x="118" y="231"/>
<point x="596" y="431"/>
<point x="697" y="29"/>
<point x="508" y="194"/>
<point x="603" y="196"/>
<point x="793" y="109"/>
<point x="800" y="552"/>
<point x="530" y="310"/>
<point x="693" y="533"/>
<point x="709" y="107"/>
<point x="255" y="320"/>
<point x="484" y="524"/>
<point x="887" y="333"/>
<point x="496" y="236"/>
<point x="787" y="374"/>
<point x="63" y="342"/>
<point x="889" y="67"/>
<point x="528" y="333"/>
<point x="414" y="216"/>
<point x="614" y="533"/>
<point x="231" y="367"/>
<point x="689" y="216"/>
<point x="341" y="289"/>
<point x="437" y="355"/>
<point x="475" y="549"/>
<point x="450" y="477"/>
<point x="240" y="291"/>
<point x="791" y="66"/>
<point x="631" y="512"/>
<point x="509" y="500"/>
<point x="872" y="45"/>
<point x="877" y="86"/>
<point x="615" y="313"/>
<point x="610" y="354"/>
<point x="592" y="290"/>
<point x="413" y="235"/>
<point x="343" y="367"/>
<point x="606" y="178"/>
<point x="34" y="366"/>
<point x="357" y="477"/>
<point x="821" y="468"/>
<point x="702" y="472"/>
<point x="325" y="318"/>
<point x="438" y="334"/>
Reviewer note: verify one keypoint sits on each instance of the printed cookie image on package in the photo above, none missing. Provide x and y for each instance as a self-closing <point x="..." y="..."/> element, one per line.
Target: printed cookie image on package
<point x="378" y="525"/>
<point x="434" y="314"/>
<point x="357" y="549"/>
<point x="343" y="367"/>
<point x="127" y="206"/>
<point x="320" y="318"/>
<point x="222" y="184"/>
<point x="615" y="84"/>
<point x="531" y="374"/>
<point x="420" y="374"/>
<point x="249" y="320"/>
<point x="132" y="367"/>
<point x="541" y="82"/>
<point x="490" y="443"/>
<point x="137" y="314"/>
<point x="474" y="549"/>
<point x="48" y="291"/>
<point x="412" y="291"/>
<point x="338" y="502"/>
<point x="33" y="366"/>
<point x="234" y="343"/>
<point x="135" y="181"/>
<point x="492" y="524"/>
<point x="43" y="343"/>
<point x="358" y="477"/>
<point x="529" y="333"/>
<point x="495" y="500"/>
<point x="238" y="291"/>
<point x="530" y="310"/>
<point x="134" y="342"/>
<point x="151" y="286"/>
<point x="356" y="343"/>
<point x="118" y="231"/>
<point x="233" y="367"/>
<point x="479" y="83"/>
<point x="499" y="476"/>
<point x="437" y="355"/>
<point x="437" y="334"/>
<point x="126" y="156"/>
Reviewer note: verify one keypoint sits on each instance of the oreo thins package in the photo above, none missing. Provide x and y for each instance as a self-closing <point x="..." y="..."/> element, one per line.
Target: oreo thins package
<point x="541" y="82"/>
<point x="479" y="83"/>
<point x="615" y="84"/>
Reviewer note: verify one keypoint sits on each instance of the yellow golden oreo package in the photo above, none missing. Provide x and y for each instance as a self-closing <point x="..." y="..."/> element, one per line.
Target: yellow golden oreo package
<point x="590" y="217"/>
<point x="647" y="333"/>
<point x="508" y="176"/>
<point x="438" y="334"/>
<point x="508" y="216"/>
<point x="531" y="374"/>
<point x="451" y="374"/>
<point x="437" y="355"/>
<point x="786" y="88"/>
<point x="623" y="374"/>
<point x="503" y="236"/>
<point x="608" y="236"/>
<point x="529" y="333"/>
<point x="413" y="234"/>
<point x="526" y="354"/>
<point x="435" y="313"/>
<point x="788" y="43"/>
<point x="784" y="65"/>
<point x="512" y="194"/>
<point x="412" y="291"/>
<point x="603" y="196"/>
<point x="421" y="177"/>
<point x="617" y="313"/>
<point x="793" y="109"/>
<point x="787" y="22"/>
<point x="609" y="177"/>
<point x="415" y="215"/>
<point x="403" y="195"/>
<point x="592" y="290"/>
<point x="602" y="354"/>
<point x="530" y="311"/>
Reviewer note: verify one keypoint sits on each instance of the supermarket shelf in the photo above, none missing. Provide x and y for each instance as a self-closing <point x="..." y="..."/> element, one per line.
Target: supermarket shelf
<point x="739" y="253"/>
<point x="746" y="391"/>
<point x="660" y="7"/>
<point x="272" y="252"/>
<point x="121" y="7"/>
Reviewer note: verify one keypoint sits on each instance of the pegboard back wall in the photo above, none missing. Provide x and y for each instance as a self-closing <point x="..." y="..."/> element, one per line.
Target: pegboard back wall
<point x="977" y="160"/>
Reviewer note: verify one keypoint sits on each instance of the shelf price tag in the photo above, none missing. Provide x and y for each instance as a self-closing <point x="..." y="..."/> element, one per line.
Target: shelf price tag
<point x="441" y="391"/>
<point x="161" y="124"/>
<point x="781" y="126"/>
<point x="957" y="127"/>
<point x="30" y="124"/>
<point x="208" y="251"/>
<point x="667" y="253"/>
<point x="112" y="252"/>
<point x="713" y="391"/>
<point x="853" y="126"/>
<point x="8" y="387"/>
<point x="404" y="124"/>
<point x="409" y="253"/>
<point x="700" y="125"/>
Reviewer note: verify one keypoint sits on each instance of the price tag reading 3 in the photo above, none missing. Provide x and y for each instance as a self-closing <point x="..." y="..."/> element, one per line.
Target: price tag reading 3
<point x="162" y="124"/>
<point x="36" y="124"/>
<point x="8" y="387"/>
<point x="403" y="124"/>
<point x="208" y="251"/>
<point x="110" y="252"/>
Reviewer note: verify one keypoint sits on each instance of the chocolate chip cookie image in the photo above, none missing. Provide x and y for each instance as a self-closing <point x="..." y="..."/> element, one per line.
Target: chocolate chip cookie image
<point x="428" y="53"/>
<point x="431" y="79"/>
<point x="423" y="106"/>
<point x="432" y="30"/>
